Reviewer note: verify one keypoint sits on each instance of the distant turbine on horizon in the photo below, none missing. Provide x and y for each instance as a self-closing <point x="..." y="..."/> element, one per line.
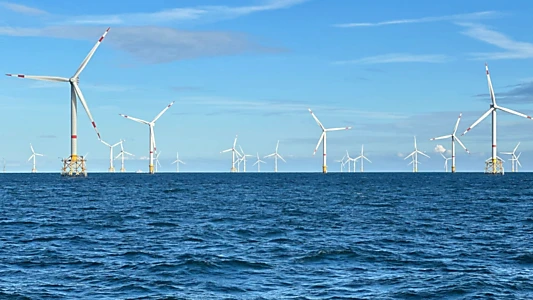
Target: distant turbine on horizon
<point x="233" y="152"/>
<point x="514" y="158"/>
<point x="111" y="167"/>
<point x="178" y="162"/>
<point x="276" y="156"/>
<point x="414" y="154"/>
<point x="33" y="155"/>
<point x="258" y="163"/>
<point x="454" y="138"/>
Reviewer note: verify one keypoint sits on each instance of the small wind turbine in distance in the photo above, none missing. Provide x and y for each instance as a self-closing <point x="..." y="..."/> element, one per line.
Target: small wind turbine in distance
<point x="72" y="164"/>
<point x="493" y="165"/>
<point x="233" y="152"/>
<point x="33" y="155"/>
<point x="243" y="158"/>
<point x="258" y="163"/>
<point x="414" y="154"/>
<point x="157" y="161"/>
<point x="342" y="162"/>
<point x="348" y="160"/>
<point x="514" y="158"/>
<point x="454" y="138"/>
<point x="276" y="156"/>
<point x="151" y="125"/>
<point x="111" y="167"/>
<point x="362" y="157"/>
<point x="178" y="162"/>
<point x="446" y="159"/>
<point x="323" y="137"/>
<point x="122" y="155"/>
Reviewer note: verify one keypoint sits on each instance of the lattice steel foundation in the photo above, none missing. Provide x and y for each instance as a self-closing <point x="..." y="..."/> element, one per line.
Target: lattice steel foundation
<point x="494" y="166"/>
<point x="74" y="166"/>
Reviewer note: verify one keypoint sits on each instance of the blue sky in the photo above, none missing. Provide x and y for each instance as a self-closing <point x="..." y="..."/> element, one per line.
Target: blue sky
<point x="252" y="68"/>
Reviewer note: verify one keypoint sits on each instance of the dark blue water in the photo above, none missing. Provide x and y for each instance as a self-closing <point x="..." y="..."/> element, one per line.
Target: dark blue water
<point x="266" y="236"/>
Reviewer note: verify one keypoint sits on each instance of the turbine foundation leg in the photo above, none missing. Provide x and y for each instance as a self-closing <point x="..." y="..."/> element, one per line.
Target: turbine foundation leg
<point x="494" y="166"/>
<point x="324" y="169"/>
<point x="74" y="166"/>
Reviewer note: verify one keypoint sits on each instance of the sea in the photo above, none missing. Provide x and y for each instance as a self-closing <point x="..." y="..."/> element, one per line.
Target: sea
<point x="266" y="236"/>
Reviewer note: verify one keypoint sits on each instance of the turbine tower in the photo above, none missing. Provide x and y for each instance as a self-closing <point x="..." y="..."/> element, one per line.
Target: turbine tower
<point x="454" y="138"/>
<point x="414" y="154"/>
<point x="33" y="155"/>
<point x="323" y="137"/>
<point x="122" y="155"/>
<point x="233" y="152"/>
<point x="178" y="162"/>
<point x="446" y="159"/>
<point x="111" y="167"/>
<point x="151" y="143"/>
<point x="276" y="156"/>
<point x="258" y="163"/>
<point x="494" y="165"/>
<point x="73" y="165"/>
<point x="362" y="157"/>
<point x="514" y="158"/>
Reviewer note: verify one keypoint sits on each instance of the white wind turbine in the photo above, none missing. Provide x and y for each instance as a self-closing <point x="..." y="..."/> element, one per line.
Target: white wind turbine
<point x="75" y="92"/>
<point x="323" y="137"/>
<point x="414" y="154"/>
<point x="157" y="160"/>
<point x="276" y="156"/>
<point x="514" y="158"/>
<point x="177" y="162"/>
<point x="454" y="138"/>
<point x="233" y="152"/>
<point x="111" y="167"/>
<point x="494" y="164"/>
<point x="122" y="155"/>
<point x="152" y="136"/>
<point x="33" y="155"/>
<point x="446" y="159"/>
<point x="243" y="158"/>
<point x="258" y="163"/>
<point x="348" y="160"/>
<point x="362" y="157"/>
<point x="342" y="162"/>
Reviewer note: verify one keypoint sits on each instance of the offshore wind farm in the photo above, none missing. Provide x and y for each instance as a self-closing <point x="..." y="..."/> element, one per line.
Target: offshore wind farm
<point x="304" y="149"/>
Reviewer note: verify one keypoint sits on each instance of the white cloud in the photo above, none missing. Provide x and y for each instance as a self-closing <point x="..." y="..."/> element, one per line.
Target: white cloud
<point x="457" y="17"/>
<point x="144" y="158"/>
<point x="22" y="9"/>
<point x="513" y="49"/>
<point x="397" y="58"/>
<point x="440" y="149"/>
<point x="399" y="154"/>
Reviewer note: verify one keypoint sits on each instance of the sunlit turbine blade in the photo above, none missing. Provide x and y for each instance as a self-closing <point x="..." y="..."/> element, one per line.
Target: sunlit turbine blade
<point x="277" y="146"/>
<point x="479" y="120"/>
<point x="42" y="78"/>
<point x="103" y="142"/>
<point x="462" y="145"/>
<point x="491" y="90"/>
<point x="441" y="137"/>
<point x="457" y="123"/>
<point x="513" y="112"/>
<point x="31" y="146"/>
<point x="31" y="157"/>
<point x="91" y="53"/>
<point x="319" y="141"/>
<point x="412" y="153"/>
<point x="339" y="128"/>
<point x="280" y="157"/>
<point x="135" y="119"/>
<point x="316" y="119"/>
<point x="420" y="152"/>
<point x="516" y="147"/>
<point x="82" y="100"/>
<point x="227" y="150"/>
<point x="163" y="111"/>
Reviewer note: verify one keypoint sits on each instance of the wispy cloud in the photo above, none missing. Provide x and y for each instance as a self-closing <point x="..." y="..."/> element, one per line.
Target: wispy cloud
<point x="512" y="49"/>
<point x="397" y="58"/>
<point x="22" y="9"/>
<point x="457" y="17"/>
<point x="519" y="93"/>
<point x="153" y="44"/>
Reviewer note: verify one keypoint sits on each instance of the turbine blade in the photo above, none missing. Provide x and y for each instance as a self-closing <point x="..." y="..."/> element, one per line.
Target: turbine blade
<point x="82" y="100"/>
<point x="441" y="137"/>
<point x="280" y="157"/>
<point x="420" y="152"/>
<point x="31" y="146"/>
<point x="516" y="147"/>
<point x="316" y="119"/>
<point x="462" y="145"/>
<point x="319" y="141"/>
<point x="491" y="90"/>
<point x="163" y="111"/>
<point x="42" y="78"/>
<point x="457" y="123"/>
<point x="412" y="153"/>
<point x="479" y="120"/>
<point x="227" y="150"/>
<point x="513" y="112"/>
<point x="105" y="143"/>
<point x="135" y="119"/>
<point x="339" y="128"/>
<point x="91" y="53"/>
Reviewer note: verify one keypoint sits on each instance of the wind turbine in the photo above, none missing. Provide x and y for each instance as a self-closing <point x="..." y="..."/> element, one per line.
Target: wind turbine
<point x="157" y="160"/>
<point x="243" y="158"/>
<point x="342" y="161"/>
<point x="518" y="162"/>
<point x="73" y="164"/>
<point x="111" y="167"/>
<point x="494" y="165"/>
<point x="446" y="159"/>
<point x="122" y="155"/>
<point x="177" y="162"/>
<point x="233" y="151"/>
<point x="514" y="158"/>
<point x="323" y="137"/>
<point x="454" y="138"/>
<point x="258" y="163"/>
<point x="33" y="155"/>
<point x="362" y="157"/>
<point x="414" y="154"/>
<point x="276" y="155"/>
<point x="348" y="160"/>
<point x="152" y="136"/>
